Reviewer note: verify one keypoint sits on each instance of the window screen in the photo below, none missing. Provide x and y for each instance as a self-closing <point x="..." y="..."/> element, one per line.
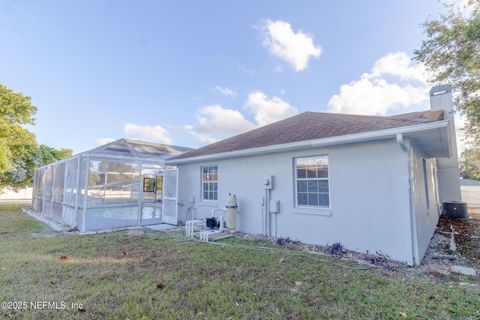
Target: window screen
<point x="210" y="183"/>
<point x="311" y="182"/>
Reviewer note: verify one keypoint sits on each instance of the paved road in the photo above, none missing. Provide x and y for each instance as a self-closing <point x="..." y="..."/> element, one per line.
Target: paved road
<point x="471" y="195"/>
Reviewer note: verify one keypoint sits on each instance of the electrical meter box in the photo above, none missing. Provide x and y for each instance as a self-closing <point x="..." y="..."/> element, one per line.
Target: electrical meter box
<point x="268" y="183"/>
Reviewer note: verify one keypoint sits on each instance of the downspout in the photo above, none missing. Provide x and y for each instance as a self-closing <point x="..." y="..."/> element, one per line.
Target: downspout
<point x="413" y="222"/>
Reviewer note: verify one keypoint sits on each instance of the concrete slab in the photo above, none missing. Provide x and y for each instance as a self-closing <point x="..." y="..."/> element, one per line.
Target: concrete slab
<point x="463" y="270"/>
<point x="52" y="224"/>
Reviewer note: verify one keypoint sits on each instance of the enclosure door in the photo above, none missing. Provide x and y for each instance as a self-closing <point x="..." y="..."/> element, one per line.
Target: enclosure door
<point x="170" y="201"/>
<point x="152" y="203"/>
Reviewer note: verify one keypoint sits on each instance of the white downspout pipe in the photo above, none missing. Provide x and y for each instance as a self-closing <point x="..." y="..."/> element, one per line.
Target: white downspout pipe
<point x="405" y="146"/>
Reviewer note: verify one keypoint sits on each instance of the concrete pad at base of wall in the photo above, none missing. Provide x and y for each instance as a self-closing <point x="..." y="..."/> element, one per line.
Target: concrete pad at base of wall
<point x="109" y="230"/>
<point x="132" y="231"/>
<point x="49" y="222"/>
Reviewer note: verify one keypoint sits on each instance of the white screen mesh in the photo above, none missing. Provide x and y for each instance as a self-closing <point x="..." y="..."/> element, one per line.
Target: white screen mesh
<point x="71" y="171"/>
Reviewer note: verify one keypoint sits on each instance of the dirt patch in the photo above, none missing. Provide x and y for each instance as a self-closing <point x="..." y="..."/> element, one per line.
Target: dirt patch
<point x="44" y="234"/>
<point x="368" y="260"/>
<point x="135" y="232"/>
<point x="454" y="249"/>
<point x="467" y="236"/>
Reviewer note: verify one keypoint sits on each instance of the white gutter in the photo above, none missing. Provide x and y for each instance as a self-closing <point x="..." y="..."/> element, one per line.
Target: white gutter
<point x="405" y="146"/>
<point x="350" y="138"/>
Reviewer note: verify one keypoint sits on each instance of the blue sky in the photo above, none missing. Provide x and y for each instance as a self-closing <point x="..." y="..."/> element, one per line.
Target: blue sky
<point x="192" y="72"/>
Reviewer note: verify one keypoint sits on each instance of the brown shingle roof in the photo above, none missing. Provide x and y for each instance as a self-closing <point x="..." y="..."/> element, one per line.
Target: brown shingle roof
<point x="310" y="126"/>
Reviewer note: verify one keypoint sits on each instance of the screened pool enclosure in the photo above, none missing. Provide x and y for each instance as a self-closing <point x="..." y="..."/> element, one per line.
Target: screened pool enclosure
<point x="120" y="184"/>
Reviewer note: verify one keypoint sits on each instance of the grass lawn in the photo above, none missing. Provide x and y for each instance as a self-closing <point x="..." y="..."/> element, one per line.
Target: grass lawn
<point x="154" y="276"/>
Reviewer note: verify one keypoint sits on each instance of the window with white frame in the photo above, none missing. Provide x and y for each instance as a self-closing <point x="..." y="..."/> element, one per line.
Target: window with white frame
<point x="210" y="183"/>
<point x="311" y="182"/>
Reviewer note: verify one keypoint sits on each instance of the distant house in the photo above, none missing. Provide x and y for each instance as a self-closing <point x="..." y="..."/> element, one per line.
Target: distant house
<point x="372" y="183"/>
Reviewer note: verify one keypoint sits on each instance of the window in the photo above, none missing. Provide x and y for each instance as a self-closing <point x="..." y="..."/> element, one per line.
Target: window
<point x="311" y="182"/>
<point x="210" y="183"/>
<point x="425" y="182"/>
<point x="148" y="184"/>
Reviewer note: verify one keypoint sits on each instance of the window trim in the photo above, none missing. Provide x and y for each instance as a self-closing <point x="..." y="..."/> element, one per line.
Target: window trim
<point x="202" y="199"/>
<point x="313" y="209"/>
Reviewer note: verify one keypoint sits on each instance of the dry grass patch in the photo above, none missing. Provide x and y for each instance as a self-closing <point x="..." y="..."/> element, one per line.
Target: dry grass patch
<point x="155" y="276"/>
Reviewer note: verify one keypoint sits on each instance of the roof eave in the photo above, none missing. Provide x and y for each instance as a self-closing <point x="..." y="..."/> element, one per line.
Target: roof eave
<point x="324" y="142"/>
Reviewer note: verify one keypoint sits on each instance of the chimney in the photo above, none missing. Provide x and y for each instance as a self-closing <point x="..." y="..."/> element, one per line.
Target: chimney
<point x="447" y="168"/>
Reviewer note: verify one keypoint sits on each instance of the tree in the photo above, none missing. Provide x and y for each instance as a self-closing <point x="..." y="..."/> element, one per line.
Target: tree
<point x="45" y="155"/>
<point x="16" y="110"/>
<point x="451" y="54"/>
<point x="19" y="153"/>
<point x="470" y="164"/>
<point x="28" y="160"/>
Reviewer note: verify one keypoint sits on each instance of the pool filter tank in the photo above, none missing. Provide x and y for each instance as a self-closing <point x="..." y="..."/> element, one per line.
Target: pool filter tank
<point x="231" y="211"/>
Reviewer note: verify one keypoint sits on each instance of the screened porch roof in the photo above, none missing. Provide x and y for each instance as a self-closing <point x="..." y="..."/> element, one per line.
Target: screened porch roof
<point x="137" y="149"/>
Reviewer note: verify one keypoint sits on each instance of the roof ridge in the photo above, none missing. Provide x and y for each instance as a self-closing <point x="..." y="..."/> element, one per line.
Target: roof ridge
<point x="367" y="115"/>
<point x="309" y="125"/>
<point x="346" y="114"/>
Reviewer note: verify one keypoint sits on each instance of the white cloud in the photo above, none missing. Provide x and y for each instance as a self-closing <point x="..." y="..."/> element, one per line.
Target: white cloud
<point x="296" y="48"/>
<point x="102" y="141"/>
<point x="214" y="122"/>
<point x="399" y="64"/>
<point x="394" y="83"/>
<point x="150" y="133"/>
<point x="465" y="7"/>
<point x="225" y="91"/>
<point x="267" y="110"/>
<point x="248" y="71"/>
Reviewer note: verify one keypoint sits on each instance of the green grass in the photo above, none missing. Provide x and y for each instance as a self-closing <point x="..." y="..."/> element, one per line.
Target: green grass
<point x="116" y="276"/>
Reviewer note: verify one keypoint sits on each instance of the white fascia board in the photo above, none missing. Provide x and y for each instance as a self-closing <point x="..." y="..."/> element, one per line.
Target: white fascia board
<point x="325" y="142"/>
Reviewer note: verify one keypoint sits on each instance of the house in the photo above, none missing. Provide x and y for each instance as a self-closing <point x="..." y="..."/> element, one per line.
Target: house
<point x="372" y="183"/>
